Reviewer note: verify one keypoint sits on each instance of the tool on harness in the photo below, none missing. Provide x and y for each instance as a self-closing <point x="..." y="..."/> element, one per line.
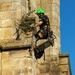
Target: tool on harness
<point x="44" y="31"/>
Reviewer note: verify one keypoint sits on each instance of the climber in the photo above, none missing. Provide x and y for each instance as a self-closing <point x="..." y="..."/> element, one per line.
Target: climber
<point x="43" y="23"/>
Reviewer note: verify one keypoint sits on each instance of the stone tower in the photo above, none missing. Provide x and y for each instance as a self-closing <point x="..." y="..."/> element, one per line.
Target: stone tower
<point x="15" y="56"/>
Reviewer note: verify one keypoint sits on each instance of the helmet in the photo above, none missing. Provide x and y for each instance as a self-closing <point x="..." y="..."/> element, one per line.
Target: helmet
<point x="40" y="11"/>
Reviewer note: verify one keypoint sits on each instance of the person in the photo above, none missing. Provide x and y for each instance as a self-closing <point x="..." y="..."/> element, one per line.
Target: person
<point x="43" y="23"/>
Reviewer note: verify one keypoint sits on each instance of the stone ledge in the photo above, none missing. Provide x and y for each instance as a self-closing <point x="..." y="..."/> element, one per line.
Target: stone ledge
<point x="63" y="55"/>
<point x="13" y="44"/>
<point x="64" y="63"/>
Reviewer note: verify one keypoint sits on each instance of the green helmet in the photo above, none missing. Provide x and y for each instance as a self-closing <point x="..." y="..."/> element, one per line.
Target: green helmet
<point x="40" y="11"/>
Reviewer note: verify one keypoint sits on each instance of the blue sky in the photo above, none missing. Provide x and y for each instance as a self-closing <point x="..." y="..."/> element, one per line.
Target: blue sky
<point x="67" y="24"/>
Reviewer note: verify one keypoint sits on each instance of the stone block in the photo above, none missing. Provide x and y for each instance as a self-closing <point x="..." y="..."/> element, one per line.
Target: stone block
<point x="53" y="1"/>
<point x="47" y="74"/>
<point x="41" y="68"/>
<point x="56" y="52"/>
<point x="5" y="55"/>
<point x="55" y="15"/>
<point x="54" y="73"/>
<point x="44" y="2"/>
<point x="7" y="0"/>
<point x="0" y="63"/>
<point x="47" y="67"/>
<point x="44" y="68"/>
<point x="7" y="71"/>
<point x="56" y="30"/>
<point x="6" y="6"/>
<point x="23" y="2"/>
<point x="57" y="45"/>
<point x="7" y="23"/>
<point x="56" y="2"/>
<point x="51" y="51"/>
<point x="48" y="9"/>
<point x="0" y="32"/>
<point x="57" y="39"/>
<point x="0" y="22"/>
<point x="23" y="10"/>
<point x="21" y="53"/>
<point x="7" y="64"/>
<point x="38" y="2"/>
<point x="63" y="67"/>
<point x="18" y="62"/>
<point x="29" y="62"/>
<point x="56" y="8"/>
<point x="61" y="61"/>
<point x="18" y="6"/>
<point x="18" y="15"/>
<point x="28" y="41"/>
<point x="47" y="58"/>
<point x="54" y="69"/>
<point x="55" y="22"/>
<point x="16" y="65"/>
<point x="19" y="0"/>
<point x="33" y="4"/>
<point x="18" y="71"/>
<point x="29" y="71"/>
<point x="0" y="55"/>
<point x="54" y="59"/>
<point x="7" y="15"/>
<point x="40" y="74"/>
<point x="7" y="33"/>
<point x="63" y="73"/>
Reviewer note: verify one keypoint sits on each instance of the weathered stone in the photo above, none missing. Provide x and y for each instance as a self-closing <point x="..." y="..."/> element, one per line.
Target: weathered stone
<point x="7" y="0"/>
<point x="47" y="51"/>
<point x="63" y="73"/>
<point x="63" y="67"/>
<point x="5" y="55"/>
<point x="6" y="32"/>
<point x="7" y="23"/>
<point x="8" y="72"/>
<point x="55" y="15"/>
<point x="62" y="61"/>
<point x="0" y="22"/>
<point x="0" y="32"/>
<point x="54" y="28"/>
<point x="0" y="64"/>
<point x="56" y="2"/>
<point x="7" y="15"/>
<point x="6" y="6"/>
<point x="17" y="56"/>
<point x="18" y="6"/>
<point x="44" y="67"/>
<point x="55" y="22"/>
<point x="22" y="53"/>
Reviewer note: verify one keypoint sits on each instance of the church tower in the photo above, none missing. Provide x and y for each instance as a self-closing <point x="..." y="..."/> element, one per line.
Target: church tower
<point x="17" y="57"/>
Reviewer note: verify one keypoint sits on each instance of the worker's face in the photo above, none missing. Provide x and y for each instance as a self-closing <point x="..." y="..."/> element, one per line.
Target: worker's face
<point x="39" y="15"/>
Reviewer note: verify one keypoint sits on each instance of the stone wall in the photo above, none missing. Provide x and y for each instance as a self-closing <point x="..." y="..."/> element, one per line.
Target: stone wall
<point x="17" y="56"/>
<point x="17" y="63"/>
<point x="14" y="61"/>
<point x="64" y="64"/>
